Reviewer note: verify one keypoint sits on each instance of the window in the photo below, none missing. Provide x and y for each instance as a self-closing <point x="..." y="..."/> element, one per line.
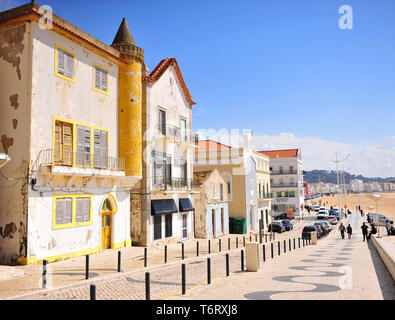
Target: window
<point x="162" y="169"/>
<point x="100" y="145"/>
<point x="183" y="130"/>
<point x="221" y="191"/>
<point x="63" y="143"/>
<point x="169" y="225"/>
<point x="71" y="211"/>
<point x="162" y="122"/>
<point x="64" y="211"/>
<point x="184" y="170"/>
<point x="64" y="63"/>
<point x="157" y="227"/>
<point x="82" y="210"/>
<point x="229" y="190"/>
<point x="91" y="145"/>
<point x="83" y="156"/>
<point x="100" y="79"/>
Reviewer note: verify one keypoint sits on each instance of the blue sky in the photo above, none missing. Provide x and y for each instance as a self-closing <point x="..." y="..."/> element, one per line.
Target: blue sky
<point x="278" y="67"/>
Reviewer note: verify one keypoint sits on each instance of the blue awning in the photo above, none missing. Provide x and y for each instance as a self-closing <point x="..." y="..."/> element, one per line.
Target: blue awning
<point x="186" y="205"/>
<point x="163" y="206"/>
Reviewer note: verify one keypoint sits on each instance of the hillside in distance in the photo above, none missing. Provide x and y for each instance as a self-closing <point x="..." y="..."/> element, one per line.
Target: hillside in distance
<point x="329" y="176"/>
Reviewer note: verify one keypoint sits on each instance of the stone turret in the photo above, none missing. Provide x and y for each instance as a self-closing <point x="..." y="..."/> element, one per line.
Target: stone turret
<point x="130" y="100"/>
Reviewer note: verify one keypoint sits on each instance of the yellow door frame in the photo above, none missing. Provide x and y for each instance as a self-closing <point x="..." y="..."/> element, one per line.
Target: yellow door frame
<point x="104" y="213"/>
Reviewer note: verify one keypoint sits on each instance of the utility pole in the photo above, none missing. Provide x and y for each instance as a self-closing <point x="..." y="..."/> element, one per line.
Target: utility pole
<point x="338" y="179"/>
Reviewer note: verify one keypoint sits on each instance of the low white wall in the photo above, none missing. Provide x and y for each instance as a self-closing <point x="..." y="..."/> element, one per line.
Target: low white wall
<point x="386" y="251"/>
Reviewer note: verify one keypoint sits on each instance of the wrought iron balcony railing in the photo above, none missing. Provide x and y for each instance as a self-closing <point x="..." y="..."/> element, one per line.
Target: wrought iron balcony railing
<point x="265" y="195"/>
<point x="176" y="134"/>
<point x="174" y="184"/>
<point x="280" y="172"/>
<point x="284" y="185"/>
<point x="81" y="160"/>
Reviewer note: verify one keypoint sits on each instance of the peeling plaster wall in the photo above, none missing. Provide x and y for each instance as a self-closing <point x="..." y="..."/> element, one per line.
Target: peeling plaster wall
<point x="45" y="242"/>
<point x="14" y="136"/>
<point x="56" y="97"/>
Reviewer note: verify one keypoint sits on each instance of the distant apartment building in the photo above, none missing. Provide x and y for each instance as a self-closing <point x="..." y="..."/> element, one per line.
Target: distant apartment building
<point x="372" y="187"/>
<point x="162" y="210"/>
<point x="74" y="135"/>
<point x="265" y="195"/>
<point x="286" y="171"/>
<point x="238" y="168"/>
<point x="356" y="186"/>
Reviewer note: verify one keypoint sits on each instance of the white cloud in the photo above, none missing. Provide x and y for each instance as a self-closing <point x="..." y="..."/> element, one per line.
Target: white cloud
<point x="370" y="160"/>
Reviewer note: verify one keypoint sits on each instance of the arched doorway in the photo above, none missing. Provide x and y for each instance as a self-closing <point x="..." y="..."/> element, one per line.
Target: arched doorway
<point x="107" y="210"/>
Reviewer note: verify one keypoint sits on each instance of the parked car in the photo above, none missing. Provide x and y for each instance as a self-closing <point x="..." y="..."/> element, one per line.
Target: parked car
<point x="307" y="230"/>
<point x="332" y="219"/>
<point x="283" y="216"/>
<point x="287" y="224"/>
<point x="330" y="228"/>
<point x="324" y="228"/>
<point x="322" y="214"/>
<point x="382" y="218"/>
<point x="277" y="227"/>
<point x="280" y="216"/>
<point x="316" y="208"/>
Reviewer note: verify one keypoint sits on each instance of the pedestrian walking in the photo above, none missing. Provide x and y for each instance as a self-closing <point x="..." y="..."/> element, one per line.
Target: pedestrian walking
<point x="373" y="230"/>
<point x="364" y="231"/>
<point x="349" y="231"/>
<point x="388" y="226"/>
<point x="342" y="229"/>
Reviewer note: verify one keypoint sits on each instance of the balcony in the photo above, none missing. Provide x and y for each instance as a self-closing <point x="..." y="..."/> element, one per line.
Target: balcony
<point x="175" y="184"/>
<point x="78" y="163"/>
<point x="264" y="196"/>
<point x="283" y="172"/>
<point x="173" y="133"/>
<point x="284" y="185"/>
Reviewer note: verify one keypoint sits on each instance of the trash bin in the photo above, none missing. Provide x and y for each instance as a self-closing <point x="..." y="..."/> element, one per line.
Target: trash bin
<point x="239" y="226"/>
<point x="252" y="256"/>
<point x="313" y="237"/>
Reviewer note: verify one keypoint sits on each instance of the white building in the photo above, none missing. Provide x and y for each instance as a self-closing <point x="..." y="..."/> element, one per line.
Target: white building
<point x="60" y="127"/>
<point x="168" y="142"/>
<point x="356" y="186"/>
<point x="286" y="173"/>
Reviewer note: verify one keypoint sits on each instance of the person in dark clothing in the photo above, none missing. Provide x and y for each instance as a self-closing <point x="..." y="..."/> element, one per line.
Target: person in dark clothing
<point x="365" y="231"/>
<point x="361" y="213"/>
<point x="342" y="229"/>
<point x="373" y="230"/>
<point x="349" y="231"/>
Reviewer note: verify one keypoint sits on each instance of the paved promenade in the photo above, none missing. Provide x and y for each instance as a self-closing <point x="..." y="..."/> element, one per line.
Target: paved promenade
<point x="334" y="269"/>
<point x="68" y="277"/>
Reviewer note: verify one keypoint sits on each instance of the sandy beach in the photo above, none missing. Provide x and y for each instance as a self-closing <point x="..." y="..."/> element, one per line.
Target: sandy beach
<point x="386" y="204"/>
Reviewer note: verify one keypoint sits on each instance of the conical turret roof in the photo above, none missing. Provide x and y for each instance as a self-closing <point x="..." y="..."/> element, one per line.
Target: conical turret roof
<point x="123" y="36"/>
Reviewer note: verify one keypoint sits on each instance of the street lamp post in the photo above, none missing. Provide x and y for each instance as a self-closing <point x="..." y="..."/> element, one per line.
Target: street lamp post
<point x="377" y="197"/>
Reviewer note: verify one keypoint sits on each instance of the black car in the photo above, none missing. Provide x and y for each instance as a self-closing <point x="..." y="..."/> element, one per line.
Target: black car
<point x="307" y="230"/>
<point x="282" y="216"/>
<point x="277" y="227"/>
<point x="287" y="225"/>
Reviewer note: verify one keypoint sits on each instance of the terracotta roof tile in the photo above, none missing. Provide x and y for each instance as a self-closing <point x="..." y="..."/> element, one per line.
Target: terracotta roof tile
<point x="212" y="145"/>
<point x="273" y="154"/>
<point x="160" y="70"/>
